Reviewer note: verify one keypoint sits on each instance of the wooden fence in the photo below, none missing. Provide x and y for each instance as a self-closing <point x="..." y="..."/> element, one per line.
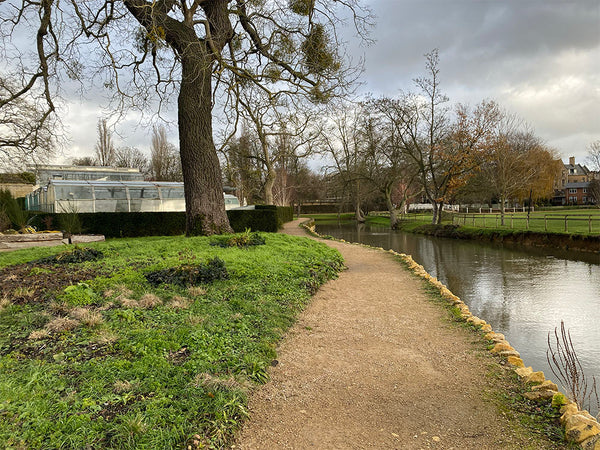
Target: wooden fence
<point x="574" y="223"/>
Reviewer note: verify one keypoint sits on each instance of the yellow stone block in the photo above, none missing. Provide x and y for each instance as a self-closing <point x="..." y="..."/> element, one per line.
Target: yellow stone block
<point x="535" y="378"/>
<point x="501" y="346"/>
<point x="546" y="386"/>
<point x="592" y="443"/>
<point x="539" y="395"/>
<point x="578" y="428"/>
<point x="515" y="361"/>
<point x="496" y="337"/>
<point x="567" y="411"/>
<point x="487" y="328"/>
<point x="524" y="372"/>
<point x="478" y="322"/>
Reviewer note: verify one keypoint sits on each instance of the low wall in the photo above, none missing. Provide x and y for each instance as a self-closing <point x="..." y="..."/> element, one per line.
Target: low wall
<point x="30" y="237"/>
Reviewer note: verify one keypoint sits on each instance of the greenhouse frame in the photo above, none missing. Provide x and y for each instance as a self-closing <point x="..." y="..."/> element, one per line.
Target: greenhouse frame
<point x="81" y="196"/>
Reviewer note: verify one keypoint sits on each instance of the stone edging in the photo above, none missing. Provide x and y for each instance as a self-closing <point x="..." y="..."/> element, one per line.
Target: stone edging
<point x="580" y="426"/>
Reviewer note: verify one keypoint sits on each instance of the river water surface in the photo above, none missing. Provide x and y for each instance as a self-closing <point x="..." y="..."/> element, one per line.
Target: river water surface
<point x="522" y="292"/>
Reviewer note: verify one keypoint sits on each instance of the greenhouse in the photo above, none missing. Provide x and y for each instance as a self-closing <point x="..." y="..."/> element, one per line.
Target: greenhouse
<point x="81" y="196"/>
<point x="45" y="173"/>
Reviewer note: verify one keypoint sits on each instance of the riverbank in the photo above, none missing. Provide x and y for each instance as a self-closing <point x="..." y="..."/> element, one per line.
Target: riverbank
<point x="563" y="241"/>
<point x="380" y="360"/>
<point x="513" y="237"/>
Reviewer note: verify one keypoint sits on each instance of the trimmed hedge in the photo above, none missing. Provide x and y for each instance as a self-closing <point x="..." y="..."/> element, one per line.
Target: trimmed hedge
<point x="285" y="213"/>
<point x="121" y="224"/>
<point x="255" y="219"/>
<point x="265" y="218"/>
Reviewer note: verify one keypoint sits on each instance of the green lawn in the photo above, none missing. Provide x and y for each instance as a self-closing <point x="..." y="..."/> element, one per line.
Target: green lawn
<point x="112" y="361"/>
<point x="578" y="221"/>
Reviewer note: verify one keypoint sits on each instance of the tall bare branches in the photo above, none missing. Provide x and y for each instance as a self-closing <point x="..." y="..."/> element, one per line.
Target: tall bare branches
<point x="567" y="368"/>
<point x="144" y="52"/>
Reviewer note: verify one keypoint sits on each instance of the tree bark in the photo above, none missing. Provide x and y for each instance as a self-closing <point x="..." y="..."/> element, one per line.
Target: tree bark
<point x="357" y="210"/>
<point x="269" y="183"/>
<point x="391" y="209"/>
<point x="203" y="184"/>
<point x="435" y="212"/>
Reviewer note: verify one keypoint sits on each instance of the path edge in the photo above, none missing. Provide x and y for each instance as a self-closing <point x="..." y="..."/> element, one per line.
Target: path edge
<point x="579" y="425"/>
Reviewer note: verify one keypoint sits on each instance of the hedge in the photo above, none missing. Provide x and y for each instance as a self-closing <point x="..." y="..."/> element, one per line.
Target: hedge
<point x="123" y="224"/>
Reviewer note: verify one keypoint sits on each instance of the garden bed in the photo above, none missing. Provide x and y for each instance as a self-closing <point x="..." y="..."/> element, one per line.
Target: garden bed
<point x="92" y="355"/>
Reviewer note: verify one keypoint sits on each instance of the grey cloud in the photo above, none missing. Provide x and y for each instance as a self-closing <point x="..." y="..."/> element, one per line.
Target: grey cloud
<point x="538" y="58"/>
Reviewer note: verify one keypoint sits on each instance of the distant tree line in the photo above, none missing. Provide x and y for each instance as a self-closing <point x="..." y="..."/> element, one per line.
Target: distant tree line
<point x="386" y="152"/>
<point x="163" y="164"/>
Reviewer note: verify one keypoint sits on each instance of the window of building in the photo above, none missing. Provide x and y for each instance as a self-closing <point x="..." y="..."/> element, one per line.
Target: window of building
<point x="73" y="192"/>
<point x="572" y="191"/>
<point x="172" y="192"/>
<point x="105" y="193"/>
<point x="145" y="192"/>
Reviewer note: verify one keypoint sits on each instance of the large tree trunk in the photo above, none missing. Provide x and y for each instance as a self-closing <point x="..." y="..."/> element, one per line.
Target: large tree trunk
<point x="203" y="185"/>
<point x="434" y="216"/>
<point x="269" y="183"/>
<point x="204" y="200"/>
<point x="358" y="214"/>
<point x="391" y="209"/>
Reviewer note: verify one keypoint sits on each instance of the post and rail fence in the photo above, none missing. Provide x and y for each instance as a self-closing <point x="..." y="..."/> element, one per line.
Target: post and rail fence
<point x="574" y="223"/>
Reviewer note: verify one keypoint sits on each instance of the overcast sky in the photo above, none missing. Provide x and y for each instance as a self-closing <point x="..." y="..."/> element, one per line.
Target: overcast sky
<point x="539" y="59"/>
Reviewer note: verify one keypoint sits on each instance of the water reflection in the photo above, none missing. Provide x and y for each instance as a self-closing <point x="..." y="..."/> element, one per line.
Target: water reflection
<point x="522" y="292"/>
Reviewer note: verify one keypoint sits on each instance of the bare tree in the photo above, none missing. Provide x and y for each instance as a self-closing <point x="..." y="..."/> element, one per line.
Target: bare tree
<point x="445" y="149"/>
<point x="27" y="135"/>
<point x="242" y="168"/>
<point x="280" y="134"/>
<point x="343" y="140"/>
<point x="83" y="161"/>
<point x="165" y="164"/>
<point x="105" y="149"/>
<point x="131" y="157"/>
<point x="388" y="167"/>
<point x="594" y="191"/>
<point x="196" y="49"/>
<point x="593" y="158"/>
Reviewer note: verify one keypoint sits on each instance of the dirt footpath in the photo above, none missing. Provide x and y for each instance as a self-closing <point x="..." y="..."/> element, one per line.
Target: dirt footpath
<point x="373" y="364"/>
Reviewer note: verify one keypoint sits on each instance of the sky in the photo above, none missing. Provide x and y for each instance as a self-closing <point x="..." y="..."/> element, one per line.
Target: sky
<point x="539" y="59"/>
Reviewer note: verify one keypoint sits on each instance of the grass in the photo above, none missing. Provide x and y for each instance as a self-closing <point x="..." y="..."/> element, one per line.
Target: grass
<point x="114" y="362"/>
<point x="547" y="221"/>
<point x="578" y="221"/>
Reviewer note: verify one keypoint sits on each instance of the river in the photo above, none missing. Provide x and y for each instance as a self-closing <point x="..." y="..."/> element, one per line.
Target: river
<point x="523" y="293"/>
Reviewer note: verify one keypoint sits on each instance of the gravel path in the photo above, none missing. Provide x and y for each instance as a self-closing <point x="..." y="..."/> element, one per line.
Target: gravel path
<point x="373" y="364"/>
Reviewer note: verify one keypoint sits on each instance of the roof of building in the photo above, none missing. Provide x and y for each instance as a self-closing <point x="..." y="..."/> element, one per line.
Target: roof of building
<point x="73" y="168"/>
<point x="579" y="169"/>
<point x="133" y="183"/>
<point x="581" y="184"/>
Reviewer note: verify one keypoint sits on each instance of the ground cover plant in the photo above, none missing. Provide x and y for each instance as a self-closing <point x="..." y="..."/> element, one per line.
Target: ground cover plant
<point x="93" y="355"/>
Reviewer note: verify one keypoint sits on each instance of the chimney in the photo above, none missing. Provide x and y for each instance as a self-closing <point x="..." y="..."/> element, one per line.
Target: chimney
<point x="572" y="160"/>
